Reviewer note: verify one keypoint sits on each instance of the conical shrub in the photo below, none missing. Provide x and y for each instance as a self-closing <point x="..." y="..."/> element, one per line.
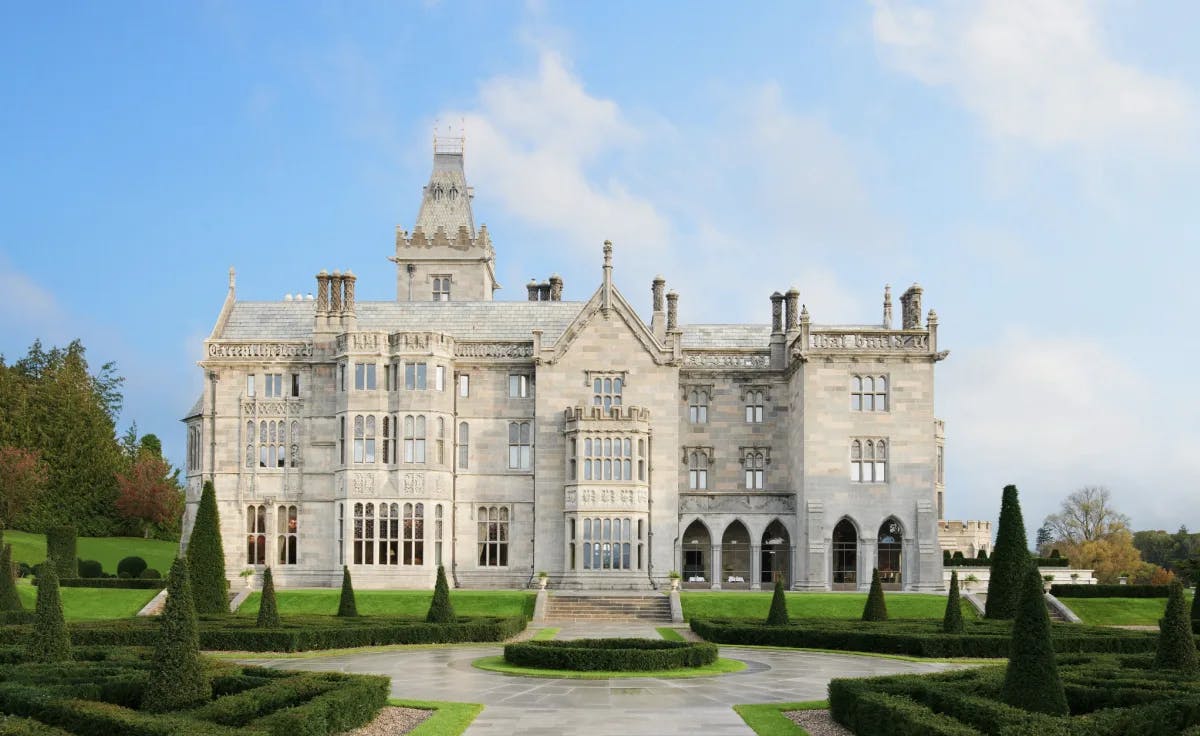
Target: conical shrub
<point x="1195" y="611"/>
<point x="60" y="544"/>
<point x="268" y="611"/>
<point x="177" y="676"/>
<point x="206" y="556"/>
<point x="50" y="641"/>
<point x="876" y="608"/>
<point x="346" y="604"/>
<point x="778" y="615"/>
<point x="1010" y="559"/>
<point x="952" y="622"/>
<point x="1176" y="645"/>
<point x="1031" y="681"/>
<point x="441" y="611"/>
<point x="10" y="599"/>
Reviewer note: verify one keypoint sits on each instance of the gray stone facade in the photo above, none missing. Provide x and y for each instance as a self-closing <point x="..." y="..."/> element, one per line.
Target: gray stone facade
<point x="502" y="439"/>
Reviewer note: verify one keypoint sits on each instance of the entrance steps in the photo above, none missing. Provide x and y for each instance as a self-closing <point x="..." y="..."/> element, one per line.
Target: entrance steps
<point x="584" y="607"/>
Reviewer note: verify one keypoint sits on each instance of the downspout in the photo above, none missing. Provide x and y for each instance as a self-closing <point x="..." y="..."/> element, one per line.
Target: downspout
<point x="453" y="479"/>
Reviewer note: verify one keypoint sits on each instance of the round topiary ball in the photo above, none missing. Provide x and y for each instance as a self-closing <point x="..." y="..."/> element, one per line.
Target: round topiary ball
<point x="131" y="567"/>
<point x="90" y="569"/>
<point x="150" y="574"/>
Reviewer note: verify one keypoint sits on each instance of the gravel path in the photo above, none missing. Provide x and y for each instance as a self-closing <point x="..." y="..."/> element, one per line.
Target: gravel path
<point x="817" y="723"/>
<point x="392" y="721"/>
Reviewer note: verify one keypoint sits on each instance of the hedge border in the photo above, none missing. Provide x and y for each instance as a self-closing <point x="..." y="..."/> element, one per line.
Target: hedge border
<point x="1072" y="590"/>
<point x="610" y="655"/>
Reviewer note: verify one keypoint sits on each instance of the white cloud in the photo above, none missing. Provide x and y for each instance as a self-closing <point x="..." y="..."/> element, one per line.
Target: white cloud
<point x="29" y="310"/>
<point x="1053" y="415"/>
<point x="1037" y="72"/>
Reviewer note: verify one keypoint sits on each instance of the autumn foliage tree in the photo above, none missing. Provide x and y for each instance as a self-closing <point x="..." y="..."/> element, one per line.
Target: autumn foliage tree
<point x="149" y="495"/>
<point x="22" y="478"/>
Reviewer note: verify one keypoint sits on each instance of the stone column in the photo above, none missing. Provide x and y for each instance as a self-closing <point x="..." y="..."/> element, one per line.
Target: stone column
<point x="887" y="307"/>
<point x="323" y="292"/>
<point x="868" y="558"/>
<point x="672" y="310"/>
<point x="776" y="313"/>
<point x="335" y="293"/>
<point x="792" y="300"/>
<point x="716" y="567"/>
<point x="656" y="291"/>
<point x="348" y="280"/>
<point x="755" y="567"/>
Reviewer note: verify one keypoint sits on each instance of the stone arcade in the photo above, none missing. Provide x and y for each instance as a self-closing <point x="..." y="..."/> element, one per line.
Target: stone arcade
<point x="504" y="438"/>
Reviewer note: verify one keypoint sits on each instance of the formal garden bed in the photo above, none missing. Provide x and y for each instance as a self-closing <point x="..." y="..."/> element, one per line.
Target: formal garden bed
<point x="614" y="655"/>
<point x="743" y="605"/>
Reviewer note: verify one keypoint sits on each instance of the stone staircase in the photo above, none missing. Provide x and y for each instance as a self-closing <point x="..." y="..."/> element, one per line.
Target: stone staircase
<point x="599" y="607"/>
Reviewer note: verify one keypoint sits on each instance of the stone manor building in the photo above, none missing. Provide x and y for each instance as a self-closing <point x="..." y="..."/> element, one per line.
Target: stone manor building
<point x="505" y="438"/>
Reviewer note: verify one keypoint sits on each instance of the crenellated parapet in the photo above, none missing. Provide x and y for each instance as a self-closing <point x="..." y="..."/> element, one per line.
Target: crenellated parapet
<point x="461" y="241"/>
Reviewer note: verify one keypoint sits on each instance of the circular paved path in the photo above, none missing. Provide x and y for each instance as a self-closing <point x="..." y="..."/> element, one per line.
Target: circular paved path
<point x="627" y="707"/>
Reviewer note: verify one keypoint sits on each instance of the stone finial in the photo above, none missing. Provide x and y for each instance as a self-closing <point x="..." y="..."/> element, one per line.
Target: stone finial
<point x="608" y="254"/>
<point x="932" y="319"/>
<point x="323" y="292"/>
<point x="348" y="281"/>
<point x="606" y="296"/>
<point x="556" y="287"/>
<point x="791" y="301"/>
<point x="910" y="307"/>
<point x="232" y="279"/>
<point x="804" y="318"/>
<point x="776" y="313"/>
<point x="656" y="292"/>
<point x="672" y="310"/>
<point x="335" y="292"/>
<point x="532" y="288"/>
<point x="887" y="306"/>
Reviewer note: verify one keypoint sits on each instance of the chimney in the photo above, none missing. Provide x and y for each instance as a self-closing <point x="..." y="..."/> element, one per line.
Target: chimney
<point x="556" y="287"/>
<point x="776" y="313"/>
<point x="672" y="311"/>
<point x="323" y="293"/>
<point x="910" y="307"/>
<point x="532" y="288"/>
<point x="544" y="291"/>
<point x="348" y="280"/>
<point x="335" y="293"/>
<point x="792" y="301"/>
<point x="658" y="317"/>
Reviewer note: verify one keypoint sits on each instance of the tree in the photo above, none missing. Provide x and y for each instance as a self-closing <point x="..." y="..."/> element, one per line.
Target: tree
<point x="50" y="641"/>
<point x="346" y="603"/>
<point x="206" y="556"/>
<point x="1031" y="681"/>
<point x="1086" y="515"/>
<point x="60" y="546"/>
<point x="150" y="495"/>
<point x="268" y="611"/>
<point x="778" y="615"/>
<point x="1176" y="645"/>
<point x="952" y="621"/>
<point x="177" y="676"/>
<point x="23" y="477"/>
<point x="441" y="611"/>
<point x="10" y="599"/>
<point x="1044" y="538"/>
<point x="876" y="608"/>
<point x="1010" y="558"/>
<point x="1110" y="557"/>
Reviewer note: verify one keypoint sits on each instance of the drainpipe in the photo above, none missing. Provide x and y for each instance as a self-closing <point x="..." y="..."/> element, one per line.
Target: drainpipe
<point x="453" y="475"/>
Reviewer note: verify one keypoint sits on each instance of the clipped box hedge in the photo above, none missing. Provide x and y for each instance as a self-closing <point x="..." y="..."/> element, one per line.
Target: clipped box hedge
<point x="1039" y="561"/>
<point x="917" y="638"/>
<point x="121" y="583"/>
<point x="297" y="634"/>
<point x="610" y="655"/>
<point x="1109" y="591"/>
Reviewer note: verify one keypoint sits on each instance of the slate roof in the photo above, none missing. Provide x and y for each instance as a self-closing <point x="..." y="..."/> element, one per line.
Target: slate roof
<point x="726" y="336"/>
<point x="446" y="201"/>
<point x="197" y="408"/>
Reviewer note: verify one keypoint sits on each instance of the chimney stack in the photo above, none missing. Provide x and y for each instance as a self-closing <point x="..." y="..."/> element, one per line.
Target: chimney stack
<point x="910" y="307"/>
<point x="776" y="313"/>
<point x="556" y="287"/>
<point x="672" y="311"/>
<point x="348" y="280"/>
<point x="323" y="293"/>
<point x="335" y="293"/>
<point x="792" y="302"/>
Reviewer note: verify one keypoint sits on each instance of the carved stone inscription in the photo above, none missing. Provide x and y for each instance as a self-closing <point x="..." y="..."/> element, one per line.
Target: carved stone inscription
<point x="260" y="350"/>
<point x="733" y="503"/>
<point x="719" y="360"/>
<point x="605" y="498"/>
<point x="493" y="350"/>
<point x="868" y="341"/>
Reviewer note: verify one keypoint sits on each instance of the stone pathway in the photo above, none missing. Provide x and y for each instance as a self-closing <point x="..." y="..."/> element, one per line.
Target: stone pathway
<point x="627" y="707"/>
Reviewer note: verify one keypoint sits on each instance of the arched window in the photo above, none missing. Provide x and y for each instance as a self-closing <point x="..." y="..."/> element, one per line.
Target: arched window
<point x="359" y="441"/>
<point x="414" y="534"/>
<point x="364" y="534"/>
<point x="342" y="440"/>
<point x="868" y="393"/>
<point x="370" y="440"/>
<point x="891" y="539"/>
<point x="607" y="543"/>
<point x="845" y="556"/>
<point x="868" y="461"/>
<point x="754" y="464"/>
<point x="250" y="444"/>
<point x="262" y="445"/>
<point x="698" y="470"/>
<point x="519" y="445"/>
<point x="410" y="438"/>
<point x="387" y="439"/>
<point x="419" y="440"/>
<point x="441" y="441"/>
<point x="754" y="406"/>
<point x="295" y="440"/>
<point x="288" y="528"/>
<point x="464" y="435"/>
<point x="389" y="534"/>
<point x="256" y="535"/>
<point x="437" y="534"/>
<point x="698" y="407"/>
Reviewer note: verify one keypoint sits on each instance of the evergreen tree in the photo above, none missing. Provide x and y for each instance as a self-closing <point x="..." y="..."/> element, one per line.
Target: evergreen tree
<point x="10" y="600"/>
<point x="346" y="604"/>
<point x="50" y="641"/>
<point x="1176" y="645"/>
<point x="1010" y="559"/>
<point x="778" y="615"/>
<point x="441" y="611"/>
<point x="1195" y="611"/>
<point x="206" y="557"/>
<point x="1031" y="681"/>
<point x="177" y="676"/>
<point x="876" y="608"/>
<point x="61" y="545"/>
<point x="982" y="555"/>
<point x="946" y="558"/>
<point x="952" y="622"/>
<point x="268" y="611"/>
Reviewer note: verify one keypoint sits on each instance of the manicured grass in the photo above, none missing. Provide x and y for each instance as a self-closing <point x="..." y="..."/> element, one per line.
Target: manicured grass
<point x="669" y="634"/>
<point x="545" y="634"/>
<point x="1118" y="611"/>
<point x="769" y="719"/>
<point x="448" y="719"/>
<point x="82" y="604"/>
<point x="404" y="603"/>
<point x="813" y="605"/>
<point x="720" y="667"/>
<point x="108" y="551"/>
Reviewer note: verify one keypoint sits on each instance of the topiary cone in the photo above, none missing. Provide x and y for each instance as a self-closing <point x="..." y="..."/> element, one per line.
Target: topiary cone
<point x="10" y="599"/>
<point x="441" y="611"/>
<point x="177" y="677"/>
<point x="1176" y="645"/>
<point x="1031" y="681"/>
<point x="952" y="622"/>
<point x="1010" y="559"/>
<point x="1195" y="612"/>
<point x="50" y="641"/>
<point x="206" y="556"/>
<point x="268" y="611"/>
<point x="346" y="604"/>
<point x="876" y="608"/>
<point x="778" y="615"/>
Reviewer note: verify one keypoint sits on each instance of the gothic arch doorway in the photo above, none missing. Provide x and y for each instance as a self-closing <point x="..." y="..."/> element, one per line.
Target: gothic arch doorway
<point x="697" y="556"/>
<point x="776" y="555"/>
<point x="845" y="556"/>
<point x="890" y="561"/>
<point x="735" y="556"/>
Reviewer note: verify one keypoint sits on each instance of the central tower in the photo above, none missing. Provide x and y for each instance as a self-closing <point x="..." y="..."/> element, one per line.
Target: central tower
<point x="445" y="258"/>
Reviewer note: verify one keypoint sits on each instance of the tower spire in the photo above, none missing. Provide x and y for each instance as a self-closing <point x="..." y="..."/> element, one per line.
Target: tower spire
<point x="446" y="202"/>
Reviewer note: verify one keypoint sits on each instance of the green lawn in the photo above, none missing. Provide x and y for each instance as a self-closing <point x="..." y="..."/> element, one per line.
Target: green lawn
<point x="108" y="551"/>
<point x="769" y="719"/>
<point x="82" y="604"/>
<point x="448" y="719"/>
<point x="398" y="602"/>
<point x="1118" y="611"/>
<point x="813" y="605"/>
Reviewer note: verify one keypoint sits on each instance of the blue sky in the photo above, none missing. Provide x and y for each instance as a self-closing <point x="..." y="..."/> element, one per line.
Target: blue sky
<point x="1034" y="166"/>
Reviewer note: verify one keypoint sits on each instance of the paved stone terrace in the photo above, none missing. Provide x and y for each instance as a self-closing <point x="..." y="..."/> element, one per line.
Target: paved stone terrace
<point x="627" y="707"/>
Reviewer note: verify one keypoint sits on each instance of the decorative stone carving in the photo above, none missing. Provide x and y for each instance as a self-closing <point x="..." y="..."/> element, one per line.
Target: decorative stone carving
<point x="869" y="341"/>
<point x="414" y="484"/>
<point x="273" y="408"/>
<point x="493" y="350"/>
<point x="413" y="340"/>
<point x="265" y="350"/>
<point x="736" y="503"/>
<point x="364" y="484"/>
<point x="725" y="360"/>
<point x="606" y="498"/>
<point x="910" y="307"/>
